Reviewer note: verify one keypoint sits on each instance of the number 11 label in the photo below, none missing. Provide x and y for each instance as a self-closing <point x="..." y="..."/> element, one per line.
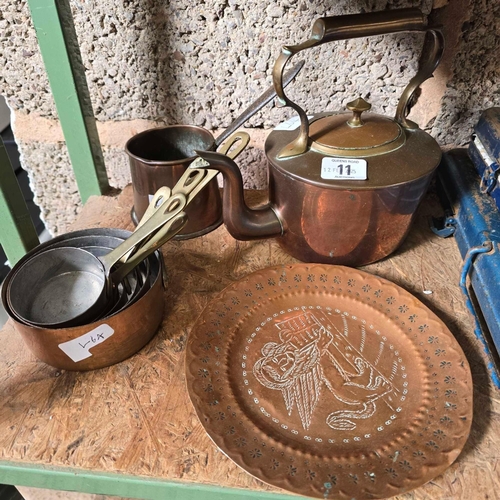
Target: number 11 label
<point x="343" y="169"/>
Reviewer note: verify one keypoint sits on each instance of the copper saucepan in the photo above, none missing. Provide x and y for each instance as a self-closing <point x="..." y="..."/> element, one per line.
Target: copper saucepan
<point x="131" y="287"/>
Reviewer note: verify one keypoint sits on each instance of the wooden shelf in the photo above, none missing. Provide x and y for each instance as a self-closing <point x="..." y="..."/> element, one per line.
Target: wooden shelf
<point x="130" y="429"/>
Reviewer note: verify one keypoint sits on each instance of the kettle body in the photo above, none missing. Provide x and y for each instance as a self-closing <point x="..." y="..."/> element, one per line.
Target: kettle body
<point x="343" y="221"/>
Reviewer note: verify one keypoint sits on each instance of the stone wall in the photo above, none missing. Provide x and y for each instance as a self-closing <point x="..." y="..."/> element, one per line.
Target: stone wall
<point x="150" y="63"/>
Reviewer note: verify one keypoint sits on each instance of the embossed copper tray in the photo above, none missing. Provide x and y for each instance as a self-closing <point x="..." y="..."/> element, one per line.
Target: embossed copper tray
<point x="329" y="382"/>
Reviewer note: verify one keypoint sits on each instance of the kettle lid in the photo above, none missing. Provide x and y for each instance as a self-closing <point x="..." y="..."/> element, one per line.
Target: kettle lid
<point x="356" y="134"/>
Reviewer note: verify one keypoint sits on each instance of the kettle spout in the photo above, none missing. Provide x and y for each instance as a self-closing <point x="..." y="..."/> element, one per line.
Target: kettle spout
<point x="242" y="222"/>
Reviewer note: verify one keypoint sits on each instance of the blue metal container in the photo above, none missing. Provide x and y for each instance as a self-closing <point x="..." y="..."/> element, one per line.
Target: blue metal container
<point x="474" y="219"/>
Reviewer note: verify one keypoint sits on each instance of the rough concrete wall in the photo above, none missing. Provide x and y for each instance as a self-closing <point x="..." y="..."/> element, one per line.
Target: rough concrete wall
<point x="150" y="63"/>
<point x="475" y="84"/>
<point x="202" y="64"/>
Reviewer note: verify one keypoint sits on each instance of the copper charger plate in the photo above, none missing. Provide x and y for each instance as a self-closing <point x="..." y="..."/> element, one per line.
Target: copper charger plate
<point x="329" y="382"/>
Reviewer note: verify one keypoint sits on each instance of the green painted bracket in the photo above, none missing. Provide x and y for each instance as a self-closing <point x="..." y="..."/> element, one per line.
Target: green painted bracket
<point x="122" y="485"/>
<point x="17" y="232"/>
<point x="62" y="59"/>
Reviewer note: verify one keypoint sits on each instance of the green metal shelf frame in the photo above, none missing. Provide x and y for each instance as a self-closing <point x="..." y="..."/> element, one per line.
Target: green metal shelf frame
<point x="60" y="51"/>
<point x="122" y="485"/>
<point x="59" y="46"/>
<point x="17" y="232"/>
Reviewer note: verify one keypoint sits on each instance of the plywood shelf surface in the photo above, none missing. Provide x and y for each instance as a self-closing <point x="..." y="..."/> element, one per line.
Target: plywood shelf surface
<point x="131" y="430"/>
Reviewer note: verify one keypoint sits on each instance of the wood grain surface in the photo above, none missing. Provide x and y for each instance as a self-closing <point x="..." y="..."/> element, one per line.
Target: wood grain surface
<point x="136" y="418"/>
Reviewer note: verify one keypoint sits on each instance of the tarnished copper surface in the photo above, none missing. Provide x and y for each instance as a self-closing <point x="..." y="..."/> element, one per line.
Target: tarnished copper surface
<point x="329" y="382"/>
<point x="332" y="226"/>
<point x="159" y="157"/>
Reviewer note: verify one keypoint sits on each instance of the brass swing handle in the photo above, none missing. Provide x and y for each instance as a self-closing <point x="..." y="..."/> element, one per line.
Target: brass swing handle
<point x="329" y="29"/>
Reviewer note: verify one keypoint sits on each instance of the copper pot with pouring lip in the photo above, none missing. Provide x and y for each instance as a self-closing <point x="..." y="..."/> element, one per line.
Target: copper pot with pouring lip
<point x="344" y="188"/>
<point x="159" y="157"/>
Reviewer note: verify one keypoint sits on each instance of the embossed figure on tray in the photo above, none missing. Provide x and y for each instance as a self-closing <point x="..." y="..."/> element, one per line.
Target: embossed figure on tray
<point x="313" y="353"/>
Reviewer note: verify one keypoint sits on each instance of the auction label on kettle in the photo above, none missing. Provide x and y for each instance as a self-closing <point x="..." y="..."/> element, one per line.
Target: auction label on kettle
<point x="351" y="169"/>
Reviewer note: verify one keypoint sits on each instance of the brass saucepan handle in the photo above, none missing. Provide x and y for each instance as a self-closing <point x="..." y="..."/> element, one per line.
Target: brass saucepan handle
<point x="162" y="195"/>
<point x="164" y="234"/>
<point x="139" y="238"/>
<point x="329" y="29"/>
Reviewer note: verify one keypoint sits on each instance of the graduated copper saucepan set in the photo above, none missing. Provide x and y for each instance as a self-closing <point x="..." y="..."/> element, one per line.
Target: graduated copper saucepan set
<point x="129" y="321"/>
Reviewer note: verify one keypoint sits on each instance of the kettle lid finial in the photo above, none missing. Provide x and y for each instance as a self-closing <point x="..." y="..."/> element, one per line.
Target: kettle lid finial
<point x="357" y="107"/>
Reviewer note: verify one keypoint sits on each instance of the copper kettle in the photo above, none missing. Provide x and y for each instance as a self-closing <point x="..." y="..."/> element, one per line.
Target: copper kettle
<point x="344" y="189"/>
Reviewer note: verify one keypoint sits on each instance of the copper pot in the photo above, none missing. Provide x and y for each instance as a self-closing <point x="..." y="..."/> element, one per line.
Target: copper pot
<point x="344" y="189"/>
<point x="159" y="157"/>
